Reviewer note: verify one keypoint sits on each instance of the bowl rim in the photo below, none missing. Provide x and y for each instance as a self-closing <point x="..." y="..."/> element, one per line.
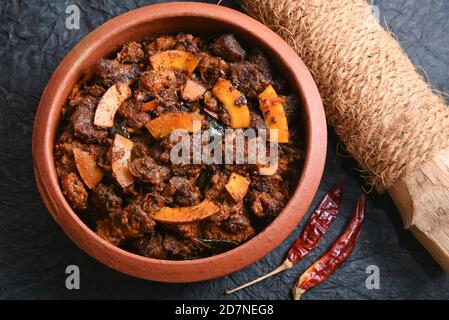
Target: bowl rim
<point x="45" y="126"/>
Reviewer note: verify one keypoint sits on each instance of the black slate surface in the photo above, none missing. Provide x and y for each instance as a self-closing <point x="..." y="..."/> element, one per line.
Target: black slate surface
<point x="34" y="251"/>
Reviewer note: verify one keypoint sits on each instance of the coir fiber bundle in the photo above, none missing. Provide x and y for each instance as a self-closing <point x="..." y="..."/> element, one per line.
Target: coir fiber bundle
<point x="384" y="112"/>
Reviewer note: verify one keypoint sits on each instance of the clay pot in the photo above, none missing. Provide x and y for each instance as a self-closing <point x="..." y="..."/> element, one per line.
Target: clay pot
<point x="202" y="19"/>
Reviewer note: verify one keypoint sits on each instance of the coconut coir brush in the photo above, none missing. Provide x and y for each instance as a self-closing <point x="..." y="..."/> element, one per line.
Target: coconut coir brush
<point x="381" y="108"/>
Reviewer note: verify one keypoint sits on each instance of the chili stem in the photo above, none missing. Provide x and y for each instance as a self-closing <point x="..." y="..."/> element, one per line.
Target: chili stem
<point x="313" y="232"/>
<point x="287" y="264"/>
<point x="297" y="293"/>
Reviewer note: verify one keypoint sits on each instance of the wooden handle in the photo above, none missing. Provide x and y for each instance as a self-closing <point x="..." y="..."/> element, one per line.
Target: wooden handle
<point x="422" y="198"/>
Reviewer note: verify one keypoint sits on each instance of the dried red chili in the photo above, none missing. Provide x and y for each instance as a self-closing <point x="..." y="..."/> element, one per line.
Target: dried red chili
<point x="313" y="232"/>
<point x="318" y="223"/>
<point x="321" y="269"/>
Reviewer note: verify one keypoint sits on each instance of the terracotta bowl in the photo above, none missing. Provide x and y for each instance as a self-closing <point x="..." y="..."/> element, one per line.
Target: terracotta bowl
<point x="201" y="19"/>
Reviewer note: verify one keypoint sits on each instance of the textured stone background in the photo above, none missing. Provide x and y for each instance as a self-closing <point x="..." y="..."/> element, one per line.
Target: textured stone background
<point x="34" y="251"/>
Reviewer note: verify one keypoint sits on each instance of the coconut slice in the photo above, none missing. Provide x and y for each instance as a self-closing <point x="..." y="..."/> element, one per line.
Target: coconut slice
<point x="121" y="157"/>
<point x="186" y="214"/>
<point x="109" y="104"/>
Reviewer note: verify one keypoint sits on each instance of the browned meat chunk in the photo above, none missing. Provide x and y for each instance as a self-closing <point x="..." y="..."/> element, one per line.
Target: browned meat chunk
<point x="211" y="69"/>
<point x="152" y="202"/>
<point x="265" y="183"/>
<point x="102" y="155"/>
<point x="65" y="162"/>
<point x="109" y="72"/>
<point x="77" y="96"/>
<point x="258" y="58"/>
<point x="66" y="136"/>
<point x="163" y="85"/>
<point x="237" y="221"/>
<point x="228" y="48"/>
<point x="215" y="232"/>
<point x="217" y="191"/>
<point x="74" y="97"/>
<point x="151" y="246"/>
<point x="132" y="222"/>
<point x="82" y="121"/>
<point x="190" y="230"/>
<point x="74" y="191"/>
<point x="105" y="198"/>
<point x="140" y="148"/>
<point x="183" y="191"/>
<point x="106" y="231"/>
<point x="224" y="117"/>
<point x="257" y="121"/>
<point x="187" y="170"/>
<point x="130" y="111"/>
<point x="131" y="53"/>
<point x="147" y="170"/>
<point x="228" y="209"/>
<point x="248" y="79"/>
<point x="137" y="221"/>
<point x="159" y="154"/>
<point x="164" y="43"/>
<point x="133" y="191"/>
<point x="161" y="43"/>
<point x="177" y="247"/>
<point x="188" y="42"/>
<point x="265" y="204"/>
<point x="95" y="91"/>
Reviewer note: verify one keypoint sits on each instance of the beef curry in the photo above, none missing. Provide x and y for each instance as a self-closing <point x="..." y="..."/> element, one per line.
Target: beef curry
<point x="112" y="152"/>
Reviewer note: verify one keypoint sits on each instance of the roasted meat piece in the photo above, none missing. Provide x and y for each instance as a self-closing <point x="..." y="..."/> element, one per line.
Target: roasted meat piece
<point x="130" y="111"/>
<point x="151" y="246"/>
<point x="65" y="162"/>
<point x="215" y="232"/>
<point x="228" y="48"/>
<point x="187" y="42"/>
<point x="147" y="170"/>
<point x="104" y="198"/>
<point x="163" y="85"/>
<point x="211" y="69"/>
<point x="248" y="79"/>
<point x="82" y="122"/>
<point x="264" y="204"/>
<point x="260" y="61"/>
<point x="183" y="191"/>
<point x="131" y="222"/>
<point x="109" y="72"/>
<point x="74" y="191"/>
<point x="132" y="52"/>
<point x="179" y="248"/>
